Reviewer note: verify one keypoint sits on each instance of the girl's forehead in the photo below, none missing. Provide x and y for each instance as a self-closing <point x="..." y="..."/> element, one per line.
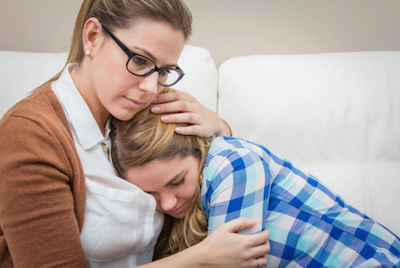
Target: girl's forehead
<point x="153" y="173"/>
<point x="158" y="174"/>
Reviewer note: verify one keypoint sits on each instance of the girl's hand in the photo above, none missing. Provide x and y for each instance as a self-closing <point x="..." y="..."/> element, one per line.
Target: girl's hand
<point x="181" y="107"/>
<point x="225" y="248"/>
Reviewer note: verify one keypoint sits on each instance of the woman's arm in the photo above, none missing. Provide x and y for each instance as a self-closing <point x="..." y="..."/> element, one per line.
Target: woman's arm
<point x="37" y="207"/>
<point x="241" y="191"/>
<point x="181" y="107"/>
<point x="224" y="248"/>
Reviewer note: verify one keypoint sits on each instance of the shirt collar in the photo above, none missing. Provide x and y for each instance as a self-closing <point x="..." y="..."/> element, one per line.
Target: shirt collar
<point x="76" y="109"/>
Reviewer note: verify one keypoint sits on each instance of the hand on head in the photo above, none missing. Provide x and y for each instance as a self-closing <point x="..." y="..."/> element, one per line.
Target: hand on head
<point x="181" y="107"/>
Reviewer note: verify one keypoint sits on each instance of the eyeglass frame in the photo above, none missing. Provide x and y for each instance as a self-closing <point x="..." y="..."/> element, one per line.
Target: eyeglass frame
<point x="132" y="54"/>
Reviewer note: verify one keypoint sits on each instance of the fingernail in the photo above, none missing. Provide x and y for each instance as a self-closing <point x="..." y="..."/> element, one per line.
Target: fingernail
<point x="164" y="118"/>
<point x="155" y="109"/>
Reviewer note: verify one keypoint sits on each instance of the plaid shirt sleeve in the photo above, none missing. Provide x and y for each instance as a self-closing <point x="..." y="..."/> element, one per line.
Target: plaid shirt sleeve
<point x="310" y="226"/>
<point x="238" y="185"/>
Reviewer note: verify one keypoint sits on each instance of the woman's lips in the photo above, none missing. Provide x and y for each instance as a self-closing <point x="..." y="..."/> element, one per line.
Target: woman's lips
<point x="134" y="103"/>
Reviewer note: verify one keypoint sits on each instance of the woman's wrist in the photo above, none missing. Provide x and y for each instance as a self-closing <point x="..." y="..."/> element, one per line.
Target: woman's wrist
<point x="226" y="129"/>
<point x="186" y="258"/>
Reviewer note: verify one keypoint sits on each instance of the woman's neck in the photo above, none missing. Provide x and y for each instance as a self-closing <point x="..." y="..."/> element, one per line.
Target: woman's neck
<point x="86" y="88"/>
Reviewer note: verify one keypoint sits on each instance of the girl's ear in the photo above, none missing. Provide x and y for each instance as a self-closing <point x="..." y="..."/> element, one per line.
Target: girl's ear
<point x="91" y="36"/>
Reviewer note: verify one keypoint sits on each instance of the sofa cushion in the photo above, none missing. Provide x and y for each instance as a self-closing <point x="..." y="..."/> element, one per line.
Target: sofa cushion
<point x="21" y="72"/>
<point x="201" y="78"/>
<point x="336" y="114"/>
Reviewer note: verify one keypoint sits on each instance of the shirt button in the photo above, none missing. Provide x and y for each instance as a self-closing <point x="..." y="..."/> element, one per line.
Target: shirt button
<point x="103" y="143"/>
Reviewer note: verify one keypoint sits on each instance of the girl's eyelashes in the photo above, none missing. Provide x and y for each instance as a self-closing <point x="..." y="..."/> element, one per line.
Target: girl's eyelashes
<point x="181" y="181"/>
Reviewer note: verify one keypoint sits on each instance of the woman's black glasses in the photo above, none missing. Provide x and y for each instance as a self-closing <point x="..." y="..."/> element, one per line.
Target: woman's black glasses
<point x="140" y="65"/>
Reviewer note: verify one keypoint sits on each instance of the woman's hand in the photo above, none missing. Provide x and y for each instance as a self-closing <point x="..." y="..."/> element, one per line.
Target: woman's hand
<point x="225" y="248"/>
<point x="181" y="107"/>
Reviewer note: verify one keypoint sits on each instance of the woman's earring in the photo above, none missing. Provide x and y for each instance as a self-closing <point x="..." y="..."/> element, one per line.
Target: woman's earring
<point x="87" y="52"/>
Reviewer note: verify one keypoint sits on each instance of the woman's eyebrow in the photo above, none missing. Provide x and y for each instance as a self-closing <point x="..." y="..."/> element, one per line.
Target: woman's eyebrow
<point x="145" y="51"/>
<point x="151" y="56"/>
<point x="177" y="176"/>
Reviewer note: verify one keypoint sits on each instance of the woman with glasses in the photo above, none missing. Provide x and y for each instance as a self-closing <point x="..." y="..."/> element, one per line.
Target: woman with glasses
<point x="200" y="185"/>
<point x="61" y="202"/>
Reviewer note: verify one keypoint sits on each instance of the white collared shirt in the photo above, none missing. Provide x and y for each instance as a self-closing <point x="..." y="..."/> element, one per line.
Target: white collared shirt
<point x="121" y="224"/>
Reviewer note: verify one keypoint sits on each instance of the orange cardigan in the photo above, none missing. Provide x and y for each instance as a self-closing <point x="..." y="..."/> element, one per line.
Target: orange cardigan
<point x="42" y="186"/>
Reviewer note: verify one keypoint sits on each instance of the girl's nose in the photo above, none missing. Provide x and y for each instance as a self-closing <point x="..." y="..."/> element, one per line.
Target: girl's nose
<point x="168" y="202"/>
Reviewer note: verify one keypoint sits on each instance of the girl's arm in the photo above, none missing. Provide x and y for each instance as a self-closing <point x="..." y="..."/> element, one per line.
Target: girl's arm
<point x="224" y="248"/>
<point x="240" y="188"/>
<point x="181" y="107"/>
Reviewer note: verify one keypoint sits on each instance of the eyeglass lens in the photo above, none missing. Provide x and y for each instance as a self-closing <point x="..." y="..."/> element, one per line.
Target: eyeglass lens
<point x="140" y="65"/>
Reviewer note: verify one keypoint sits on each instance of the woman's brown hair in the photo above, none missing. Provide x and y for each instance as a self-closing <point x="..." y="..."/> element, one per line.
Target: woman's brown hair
<point x="122" y="13"/>
<point x="145" y="138"/>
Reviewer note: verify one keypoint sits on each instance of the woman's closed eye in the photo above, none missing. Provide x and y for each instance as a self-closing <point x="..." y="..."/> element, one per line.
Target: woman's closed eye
<point x="165" y="72"/>
<point x="140" y="61"/>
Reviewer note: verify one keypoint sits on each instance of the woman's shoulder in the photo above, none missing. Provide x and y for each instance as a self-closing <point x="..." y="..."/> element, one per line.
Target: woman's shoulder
<point x="40" y="106"/>
<point x="39" y="117"/>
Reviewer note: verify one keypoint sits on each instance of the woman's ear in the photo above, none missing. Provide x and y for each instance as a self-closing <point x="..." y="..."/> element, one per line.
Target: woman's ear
<point x="91" y="35"/>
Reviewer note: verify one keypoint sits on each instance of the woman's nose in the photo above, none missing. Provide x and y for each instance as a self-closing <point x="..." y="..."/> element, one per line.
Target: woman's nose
<point x="149" y="83"/>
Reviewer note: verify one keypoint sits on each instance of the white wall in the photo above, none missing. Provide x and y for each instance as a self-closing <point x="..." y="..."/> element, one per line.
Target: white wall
<point x="37" y="25"/>
<point x="235" y="27"/>
<point x="228" y="28"/>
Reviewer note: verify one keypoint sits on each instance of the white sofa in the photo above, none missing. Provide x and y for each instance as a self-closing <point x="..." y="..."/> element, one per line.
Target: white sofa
<point x="336" y="115"/>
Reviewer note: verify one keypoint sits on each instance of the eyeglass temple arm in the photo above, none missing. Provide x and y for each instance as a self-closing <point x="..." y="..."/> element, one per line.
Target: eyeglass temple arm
<point x="120" y="44"/>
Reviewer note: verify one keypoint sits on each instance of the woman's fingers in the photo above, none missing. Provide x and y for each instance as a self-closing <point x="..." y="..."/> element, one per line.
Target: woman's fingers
<point x="259" y="242"/>
<point x="225" y="246"/>
<point x="174" y="107"/>
<point x="190" y="118"/>
<point x="260" y="262"/>
<point x="171" y="97"/>
<point x="238" y="224"/>
<point x="181" y="107"/>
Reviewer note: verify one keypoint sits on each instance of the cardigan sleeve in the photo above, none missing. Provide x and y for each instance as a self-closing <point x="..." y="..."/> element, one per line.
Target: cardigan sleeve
<point x="37" y="208"/>
<point x="239" y="187"/>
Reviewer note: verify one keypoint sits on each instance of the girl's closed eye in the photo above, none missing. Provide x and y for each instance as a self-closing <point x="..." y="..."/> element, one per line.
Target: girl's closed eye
<point x="181" y="181"/>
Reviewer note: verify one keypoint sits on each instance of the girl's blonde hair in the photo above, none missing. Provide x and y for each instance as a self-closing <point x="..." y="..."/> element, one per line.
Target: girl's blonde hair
<point x="145" y="138"/>
<point x="122" y="13"/>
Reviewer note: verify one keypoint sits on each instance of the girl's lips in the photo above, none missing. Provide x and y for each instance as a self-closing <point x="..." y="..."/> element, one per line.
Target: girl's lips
<point x="176" y="211"/>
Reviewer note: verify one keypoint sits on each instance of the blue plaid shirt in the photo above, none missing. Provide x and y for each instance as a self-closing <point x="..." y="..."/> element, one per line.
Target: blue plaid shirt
<point x="310" y="226"/>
